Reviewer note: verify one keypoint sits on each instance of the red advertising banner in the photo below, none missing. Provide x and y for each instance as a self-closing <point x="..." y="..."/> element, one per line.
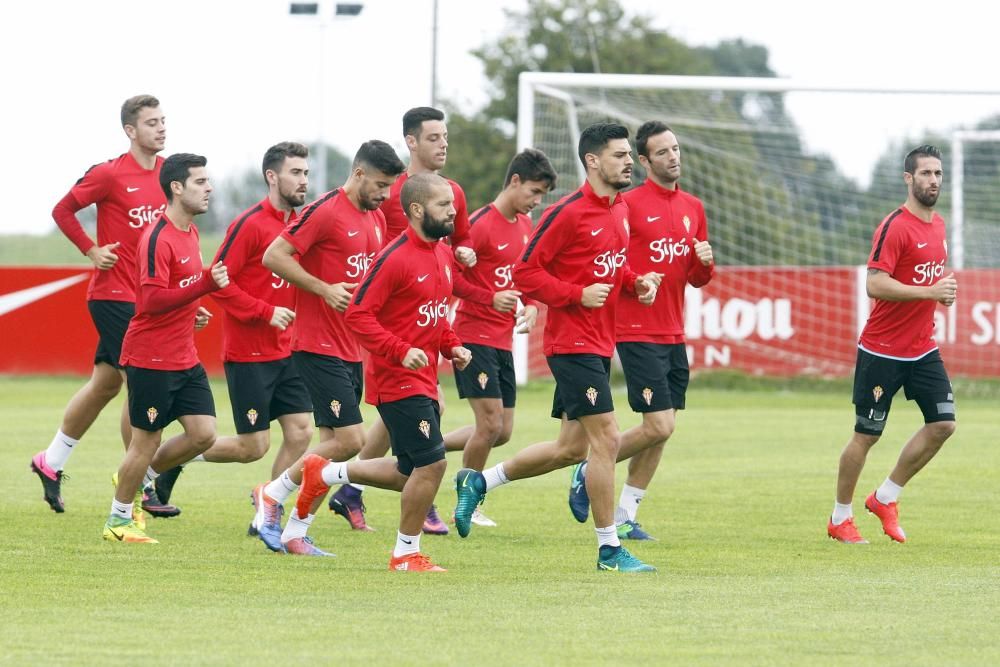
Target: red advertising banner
<point x="759" y="320"/>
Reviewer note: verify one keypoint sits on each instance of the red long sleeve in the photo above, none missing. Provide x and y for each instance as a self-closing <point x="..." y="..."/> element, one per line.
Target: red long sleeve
<point x="157" y="300"/>
<point x="64" y="214"/>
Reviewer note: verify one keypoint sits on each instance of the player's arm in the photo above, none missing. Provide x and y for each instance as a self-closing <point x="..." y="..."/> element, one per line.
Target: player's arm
<point x="881" y="285"/>
<point x="90" y="189"/>
<point x="465" y="289"/>
<point x="280" y="258"/>
<point x="234" y="252"/>
<point x="702" y="268"/>
<point x="361" y="315"/>
<point x="157" y="298"/>
<point x="533" y="278"/>
<point x="464" y="250"/>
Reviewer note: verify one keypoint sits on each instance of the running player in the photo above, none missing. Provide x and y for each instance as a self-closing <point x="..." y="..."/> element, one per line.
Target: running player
<point x="906" y="278"/>
<point x="336" y="237"/>
<point x="485" y="319"/>
<point x="400" y="314"/>
<point x="127" y="193"/>
<point x="166" y="382"/>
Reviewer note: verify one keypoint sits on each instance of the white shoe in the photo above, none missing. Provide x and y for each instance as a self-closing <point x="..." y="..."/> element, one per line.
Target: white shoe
<point x="481" y="519"/>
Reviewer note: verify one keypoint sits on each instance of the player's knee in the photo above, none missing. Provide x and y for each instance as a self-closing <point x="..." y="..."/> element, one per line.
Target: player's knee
<point x="941" y="431"/>
<point x="202" y="439"/>
<point x="504" y="437"/>
<point x="659" y="430"/>
<point x="489" y="427"/>
<point x="255" y="447"/>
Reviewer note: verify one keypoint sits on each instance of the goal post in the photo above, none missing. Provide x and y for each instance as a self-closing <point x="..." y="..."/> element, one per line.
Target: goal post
<point x="795" y="176"/>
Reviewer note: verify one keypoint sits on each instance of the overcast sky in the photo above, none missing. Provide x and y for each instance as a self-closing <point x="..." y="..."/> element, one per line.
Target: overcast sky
<point x="237" y="76"/>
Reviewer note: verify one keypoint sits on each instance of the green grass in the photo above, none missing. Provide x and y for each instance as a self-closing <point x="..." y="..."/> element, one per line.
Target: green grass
<point x="747" y="575"/>
<point x="54" y="249"/>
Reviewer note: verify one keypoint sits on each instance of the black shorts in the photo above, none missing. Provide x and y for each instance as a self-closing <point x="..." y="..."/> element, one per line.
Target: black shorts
<point x="414" y="426"/>
<point x="877" y="379"/>
<point x="156" y="398"/>
<point x="335" y="386"/>
<point x="261" y="391"/>
<point x="490" y="374"/>
<point x="656" y="375"/>
<point x="111" y="320"/>
<point x="583" y="385"/>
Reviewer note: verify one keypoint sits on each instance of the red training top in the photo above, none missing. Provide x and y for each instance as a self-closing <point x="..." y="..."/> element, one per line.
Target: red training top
<point x="396" y="221"/>
<point x="128" y="199"/>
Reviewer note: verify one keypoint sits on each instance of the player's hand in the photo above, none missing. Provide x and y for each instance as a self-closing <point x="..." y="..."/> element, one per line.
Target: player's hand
<point x="415" y="359"/>
<point x="595" y="295"/>
<point x="646" y="290"/>
<point x="338" y="295"/>
<point x="201" y="318"/>
<point x="220" y="274"/>
<point x="505" y="301"/>
<point x="945" y="290"/>
<point x="653" y="277"/>
<point x="282" y="317"/>
<point x="465" y="256"/>
<point x="526" y="318"/>
<point x="104" y="257"/>
<point x="703" y="250"/>
<point x="461" y="357"/>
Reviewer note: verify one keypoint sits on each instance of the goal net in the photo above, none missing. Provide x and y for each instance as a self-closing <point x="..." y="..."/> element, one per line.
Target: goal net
<point x="794" y="179"/>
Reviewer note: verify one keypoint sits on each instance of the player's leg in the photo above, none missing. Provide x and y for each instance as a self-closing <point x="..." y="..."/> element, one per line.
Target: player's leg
<point x="121" y="525"/>
<point x="927" y="384"/>
<point x="296" y="434"/>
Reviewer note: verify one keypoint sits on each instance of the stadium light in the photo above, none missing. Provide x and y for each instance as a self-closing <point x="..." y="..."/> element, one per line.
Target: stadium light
<point x="341" y="10"/>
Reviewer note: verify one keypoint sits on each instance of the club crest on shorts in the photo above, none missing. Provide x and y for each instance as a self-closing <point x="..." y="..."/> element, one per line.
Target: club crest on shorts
<point x="252" y="416"/>
<point x="335" y="408"/>
<point x="647" y="395"/>
<point x="483" y="380"/>
<point x="877" y="392"/>
<point x="592" y="395"/>
<point x="425" y="428"/>
<point x="687" y="223"/>
<point x="152" y="414"/>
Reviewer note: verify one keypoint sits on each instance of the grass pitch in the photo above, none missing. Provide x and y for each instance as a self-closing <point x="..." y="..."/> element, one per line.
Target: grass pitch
<point x="747" y="575"/>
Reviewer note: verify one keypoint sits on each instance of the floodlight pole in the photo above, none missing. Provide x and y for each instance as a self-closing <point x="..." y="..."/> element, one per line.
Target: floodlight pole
<point x="434" y="53"/>
<point x="341" y="10"/>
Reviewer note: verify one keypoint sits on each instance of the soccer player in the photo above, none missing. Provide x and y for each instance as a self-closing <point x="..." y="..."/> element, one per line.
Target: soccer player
<point x="906" y="279"/>
<point x="426" y="136"/>
<point x="400" y="314"/>
<point x="668" y="235"/>
<point x="127" y="193"/>
<point x="575" y="263"/>
<point x="485" y="319"/>
<point x="264" y="383"/>
<point x="336" y="237"/>
<point x="166" y="382"/>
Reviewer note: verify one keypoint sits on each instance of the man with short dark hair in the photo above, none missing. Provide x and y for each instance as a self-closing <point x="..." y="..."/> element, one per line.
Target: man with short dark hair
<point x="906" y="278"/>
<point x="166" y="382"/>
<point x="400" y="314"/>
<point x="486" y="317"/>
<point x="668" y="234"/>
<point x="264" y="384"/>
<point x="336" y="238"/>
<point x="127" y="193"/>
<point x="575" y="263"/>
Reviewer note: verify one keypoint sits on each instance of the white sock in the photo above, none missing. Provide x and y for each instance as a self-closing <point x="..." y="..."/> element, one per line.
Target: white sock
<point x="359" y="487"/>
<point x="406" y="544"/>
<point x="121" y="510"/>
<point x="280" y="488"/>
<point x="841" y="513"/>
<point x="888" y="492"/>
<point x="495" y="477"/>
<point x="150" y="477"/>
<point x="59" y="450"/>
<point x="608" y="537"/>
<point x="296" y="527"/>
<point x="628" y="502"/>
<point x="335" y="472"/>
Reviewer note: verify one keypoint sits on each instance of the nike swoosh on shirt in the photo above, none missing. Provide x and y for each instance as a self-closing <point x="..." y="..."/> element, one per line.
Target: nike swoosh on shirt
<point x="921" y="245"/>
<point x="652" y="218"/>
<point x="127" y="189"/>
<point x="595" y="232"/>
<point x="354" y="233"/>
<point x="15" y="300"/>
<point x="501" y="247"/>
<point x="422" y="278"/>
<point x="184" y="260"/>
